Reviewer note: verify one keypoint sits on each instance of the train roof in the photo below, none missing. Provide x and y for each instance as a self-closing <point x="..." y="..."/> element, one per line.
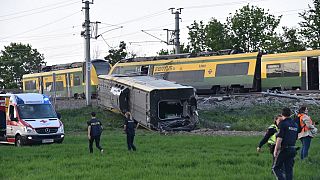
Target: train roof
<point x="195" y="59"/>
<point x="146" y="83"/>
<point x="291" y="55"/>
<point x="51" y="72"/>
<point x="74" y="67"/>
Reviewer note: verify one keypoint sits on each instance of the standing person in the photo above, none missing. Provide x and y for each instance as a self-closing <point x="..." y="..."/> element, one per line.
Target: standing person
<point x="129" y="128"/>
<point x="94" y="132"/>
<point x="308" y="130"/>
<point x="270" y="136"/>
<point x="285" y="149"/>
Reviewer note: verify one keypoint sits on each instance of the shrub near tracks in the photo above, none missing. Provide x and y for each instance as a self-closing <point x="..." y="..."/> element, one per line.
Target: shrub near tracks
<point x="76" y="120"/>
<point x="158" y="157"/>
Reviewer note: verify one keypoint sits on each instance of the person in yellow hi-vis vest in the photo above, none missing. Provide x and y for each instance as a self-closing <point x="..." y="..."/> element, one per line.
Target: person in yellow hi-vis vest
<point x="270" y="136"/>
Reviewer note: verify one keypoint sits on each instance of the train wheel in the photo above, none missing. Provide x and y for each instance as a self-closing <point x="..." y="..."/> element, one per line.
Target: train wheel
<point x="76" y="96"/>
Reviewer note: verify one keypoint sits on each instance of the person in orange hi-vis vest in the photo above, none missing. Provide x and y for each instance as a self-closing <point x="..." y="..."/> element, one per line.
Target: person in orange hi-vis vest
<point x="308" y="131"/>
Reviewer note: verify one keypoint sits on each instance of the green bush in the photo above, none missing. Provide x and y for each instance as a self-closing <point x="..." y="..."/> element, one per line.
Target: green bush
<point x="76" y="120"/>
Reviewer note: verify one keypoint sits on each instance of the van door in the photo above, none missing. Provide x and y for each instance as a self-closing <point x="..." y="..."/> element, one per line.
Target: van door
<point x="3" y="121"/>
<point x="12" y="123"/>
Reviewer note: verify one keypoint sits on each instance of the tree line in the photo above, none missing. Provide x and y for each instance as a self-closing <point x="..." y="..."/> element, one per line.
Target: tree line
<point x="252" y="29"/>
<point x="249" y="29"/>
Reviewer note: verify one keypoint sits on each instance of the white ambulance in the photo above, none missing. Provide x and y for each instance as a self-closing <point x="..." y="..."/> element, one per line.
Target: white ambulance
<point x="29" y="119"/>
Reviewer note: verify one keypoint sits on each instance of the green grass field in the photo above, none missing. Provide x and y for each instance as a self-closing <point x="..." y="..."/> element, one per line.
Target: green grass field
<point x="158" y="156"/>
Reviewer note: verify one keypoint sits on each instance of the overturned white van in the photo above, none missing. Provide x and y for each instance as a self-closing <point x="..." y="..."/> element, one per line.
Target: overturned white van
<point x="29" y="119"/>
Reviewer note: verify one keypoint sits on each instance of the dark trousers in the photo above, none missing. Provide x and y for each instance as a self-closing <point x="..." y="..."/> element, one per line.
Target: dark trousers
<point x="130" y="139"/>
<point x="97" y="140"/>
<point x="283" y="164"/>
<point x="271" y="149"/>
<point x="306" y="141"/>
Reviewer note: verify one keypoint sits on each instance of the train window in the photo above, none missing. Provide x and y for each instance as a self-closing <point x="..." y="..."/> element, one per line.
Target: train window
<point x="30" y="85"/>
<point x="274" y="70"/>
<point x="125" y="70"/>
<point x="59" y="86"/>
<point x="159" y="75"/>
<point x="290" y="69"/>
<point x="232" y="69"/>
<point x="102" y="67"/>
<point x="170" y="109"/>
<point x="144" y="70"/>
<point x="185" y="76"/>
<point x="76" y="80"/>
<point x="129" y="71"/>
<point x="282" y="70"/>
<point x="116" y="70"/>
<point x="48" y="86"/>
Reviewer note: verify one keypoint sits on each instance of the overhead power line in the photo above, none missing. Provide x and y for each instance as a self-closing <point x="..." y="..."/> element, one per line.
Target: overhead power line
<point x="45" y="10"/>
<point x="222" y="4"/>
<point x="35" y="9"/>
<point x="39" y="27"/>
<point x="143" y="17"/>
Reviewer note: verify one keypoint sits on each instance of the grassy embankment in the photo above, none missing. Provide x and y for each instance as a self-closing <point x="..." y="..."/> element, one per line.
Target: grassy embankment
<point x="255" y="118"/>
<point x="158" y="156"/>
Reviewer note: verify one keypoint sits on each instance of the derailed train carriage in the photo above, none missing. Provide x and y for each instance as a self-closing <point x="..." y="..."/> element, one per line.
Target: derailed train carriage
<point x="154" y="103"/>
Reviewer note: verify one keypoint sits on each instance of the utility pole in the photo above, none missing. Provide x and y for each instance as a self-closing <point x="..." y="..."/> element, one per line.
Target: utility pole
<point x="87" y="37"/>
<point x="177" y="29"/>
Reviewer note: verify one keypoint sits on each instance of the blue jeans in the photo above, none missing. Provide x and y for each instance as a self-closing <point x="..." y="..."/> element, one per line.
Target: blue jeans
<point x="306" y="141"/>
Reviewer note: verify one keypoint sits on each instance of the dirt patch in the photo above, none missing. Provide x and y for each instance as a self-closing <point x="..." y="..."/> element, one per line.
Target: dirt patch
<point x="211" y="132"/>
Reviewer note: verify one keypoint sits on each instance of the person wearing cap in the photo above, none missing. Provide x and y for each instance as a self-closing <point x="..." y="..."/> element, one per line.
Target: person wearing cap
<point x="94" y="132"/>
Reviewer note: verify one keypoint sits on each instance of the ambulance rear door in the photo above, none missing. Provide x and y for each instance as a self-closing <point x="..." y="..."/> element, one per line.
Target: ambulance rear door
<point x="4" y="102"/>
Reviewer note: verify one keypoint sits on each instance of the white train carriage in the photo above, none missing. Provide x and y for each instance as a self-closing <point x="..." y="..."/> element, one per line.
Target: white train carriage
<point x="154" y="103"/>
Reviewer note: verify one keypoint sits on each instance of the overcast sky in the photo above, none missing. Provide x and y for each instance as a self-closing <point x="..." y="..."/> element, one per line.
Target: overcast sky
<point x="53" y="27"/>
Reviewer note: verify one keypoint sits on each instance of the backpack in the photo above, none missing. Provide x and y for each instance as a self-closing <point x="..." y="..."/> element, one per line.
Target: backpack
<point x="297" y="121"/>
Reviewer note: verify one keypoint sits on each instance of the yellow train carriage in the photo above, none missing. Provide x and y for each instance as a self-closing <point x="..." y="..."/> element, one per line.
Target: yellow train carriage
<point x="211" y="73"/>
<point x="68" y="82"/>
<point x="293" y="70"/>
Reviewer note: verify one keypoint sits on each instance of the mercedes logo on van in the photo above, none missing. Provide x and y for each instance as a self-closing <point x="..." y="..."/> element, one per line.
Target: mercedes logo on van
<point x="47" y="130"/>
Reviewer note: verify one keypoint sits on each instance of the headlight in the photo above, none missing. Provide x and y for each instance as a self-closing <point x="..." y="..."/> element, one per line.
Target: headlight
<point x="29" y="130"/>
<point x="61" y="130"/>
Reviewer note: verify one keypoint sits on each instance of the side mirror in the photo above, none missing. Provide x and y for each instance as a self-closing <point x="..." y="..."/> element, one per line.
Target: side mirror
<point x="59" y="115"/>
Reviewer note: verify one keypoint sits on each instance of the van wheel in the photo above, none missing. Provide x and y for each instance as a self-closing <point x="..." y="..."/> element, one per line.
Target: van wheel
<point x="18" y="142"/>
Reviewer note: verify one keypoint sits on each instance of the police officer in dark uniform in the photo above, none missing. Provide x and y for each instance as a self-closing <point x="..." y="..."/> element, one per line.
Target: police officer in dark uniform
<point x="94" y="132"/>
<point x="285" y="149"/>
<point x="129" y="128"/>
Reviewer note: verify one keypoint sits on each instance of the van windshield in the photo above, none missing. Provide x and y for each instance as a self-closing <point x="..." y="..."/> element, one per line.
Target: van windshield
<point x="36" y="111"/>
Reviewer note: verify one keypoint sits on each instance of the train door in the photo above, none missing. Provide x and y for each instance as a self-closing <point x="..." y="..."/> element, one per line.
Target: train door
<point x="124" y="100"/>
<point x="3" y="120"/>
<point x="312" y="73"/>
<point x="41" y="84"/>
<point x="144" y="70"/>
